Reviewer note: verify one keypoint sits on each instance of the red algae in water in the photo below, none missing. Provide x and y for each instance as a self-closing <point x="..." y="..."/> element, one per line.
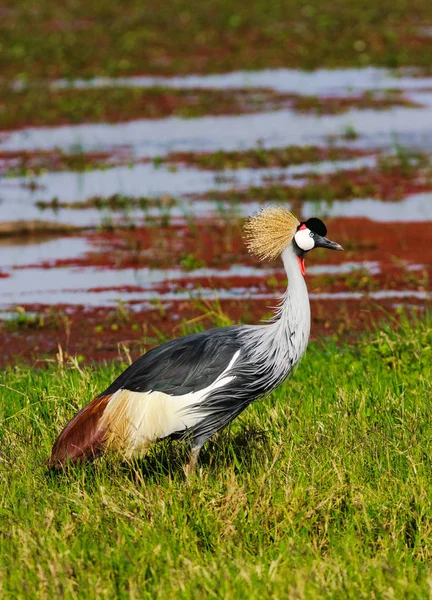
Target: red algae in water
<point x="218" y="246"/>
<point x="401" y="251"/>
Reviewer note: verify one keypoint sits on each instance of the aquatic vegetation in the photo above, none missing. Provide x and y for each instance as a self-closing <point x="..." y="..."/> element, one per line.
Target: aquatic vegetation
<point x="113" y="202"/>
<point x="390" y="180"/>
<point x="330" y="105"/>
<point x="261" y="157"/>
<point x="43" y="106"/>
<point x="31" y="164"/>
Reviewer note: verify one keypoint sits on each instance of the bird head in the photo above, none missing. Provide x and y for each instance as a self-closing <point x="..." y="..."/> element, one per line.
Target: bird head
<point x="311" y="234"/>
<point x="274" y="228"/>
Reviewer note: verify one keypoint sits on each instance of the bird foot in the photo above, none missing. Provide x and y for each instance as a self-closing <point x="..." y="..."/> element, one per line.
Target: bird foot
<point x="190" y="468"/>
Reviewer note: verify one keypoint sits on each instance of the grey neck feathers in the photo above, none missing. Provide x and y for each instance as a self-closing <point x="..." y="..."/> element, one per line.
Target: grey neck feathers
<point x="279" y="345"/>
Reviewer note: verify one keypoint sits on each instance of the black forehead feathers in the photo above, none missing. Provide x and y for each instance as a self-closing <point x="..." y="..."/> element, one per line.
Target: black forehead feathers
<point x="316" y="225"/>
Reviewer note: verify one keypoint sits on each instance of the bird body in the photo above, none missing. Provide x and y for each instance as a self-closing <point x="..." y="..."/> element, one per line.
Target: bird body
<point x="193" y="386"/>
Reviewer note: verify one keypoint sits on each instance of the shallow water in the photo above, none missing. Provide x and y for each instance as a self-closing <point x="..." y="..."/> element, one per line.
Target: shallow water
<point x="381" y="295"/>
<point x="149" y="138"/>
<point x="144" y="299"/>
<point x="18" y="202"/>
<point x="320" y="81"/>
<point x="31" y="252"/>
<point x="149" y="181"/>
<point x="73" y="286"/>
<point x="414" y="208"/>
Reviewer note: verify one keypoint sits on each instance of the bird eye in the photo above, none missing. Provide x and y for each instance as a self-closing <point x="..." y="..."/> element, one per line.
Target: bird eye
<point x="311" y="234"/>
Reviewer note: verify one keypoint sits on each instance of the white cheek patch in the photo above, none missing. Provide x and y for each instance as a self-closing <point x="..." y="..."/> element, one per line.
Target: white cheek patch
<point x="304" y="240"/>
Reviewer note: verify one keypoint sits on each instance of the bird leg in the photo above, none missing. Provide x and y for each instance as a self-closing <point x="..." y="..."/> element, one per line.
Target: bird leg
<point x="189" y="469"/>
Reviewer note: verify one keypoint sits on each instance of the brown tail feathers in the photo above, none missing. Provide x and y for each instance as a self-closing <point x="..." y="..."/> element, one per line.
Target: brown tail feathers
<point x="81" y="439"/>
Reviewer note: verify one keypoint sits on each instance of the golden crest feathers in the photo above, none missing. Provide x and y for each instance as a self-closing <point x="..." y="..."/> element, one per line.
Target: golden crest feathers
<point x="268" y="232"/>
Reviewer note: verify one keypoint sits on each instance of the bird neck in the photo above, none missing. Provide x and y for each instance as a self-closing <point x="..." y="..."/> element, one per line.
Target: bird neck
<point x="296" y="281"/>
<point x="293" y="313"/>
<point x="279" y="345"/>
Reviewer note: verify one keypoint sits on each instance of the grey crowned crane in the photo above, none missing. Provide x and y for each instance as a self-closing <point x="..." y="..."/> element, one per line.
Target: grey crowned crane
<point x="193" y="386"/>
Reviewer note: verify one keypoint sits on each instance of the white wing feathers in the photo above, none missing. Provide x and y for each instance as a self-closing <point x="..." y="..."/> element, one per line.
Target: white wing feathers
<point x="133" y="420"/>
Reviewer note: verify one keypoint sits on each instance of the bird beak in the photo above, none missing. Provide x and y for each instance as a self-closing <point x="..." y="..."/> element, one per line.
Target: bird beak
<point x="322" y="242"/>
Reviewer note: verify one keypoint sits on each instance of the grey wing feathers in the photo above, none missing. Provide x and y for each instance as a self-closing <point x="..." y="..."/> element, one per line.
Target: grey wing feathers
<point x="183" y="365"/>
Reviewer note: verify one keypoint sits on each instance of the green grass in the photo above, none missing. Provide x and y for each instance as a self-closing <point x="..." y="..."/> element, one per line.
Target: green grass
<point x="322" y="490"/>
<point x="70" y="39"/>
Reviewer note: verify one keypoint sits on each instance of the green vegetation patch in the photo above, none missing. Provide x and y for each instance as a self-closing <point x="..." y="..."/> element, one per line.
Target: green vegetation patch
<point x="393" y="178"/>
<point x="42" y="106"/>
<point x="261" y="157"/>
<point x="54" y="39"/>
<point x="321" y="490"/>
<point x="113" y="202"/>
<point x="31" y="164"/>
<point x="331" y="105"/>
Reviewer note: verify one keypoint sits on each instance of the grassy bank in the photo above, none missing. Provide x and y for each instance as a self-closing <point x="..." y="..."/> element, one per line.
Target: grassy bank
<point x="323" y="490"/>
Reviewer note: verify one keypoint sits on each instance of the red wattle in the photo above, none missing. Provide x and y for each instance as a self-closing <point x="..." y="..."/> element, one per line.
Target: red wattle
<point x="301" y="265"/>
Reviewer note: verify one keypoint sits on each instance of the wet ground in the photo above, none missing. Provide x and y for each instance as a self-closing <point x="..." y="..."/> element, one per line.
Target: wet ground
<point x="115" y="236"/>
